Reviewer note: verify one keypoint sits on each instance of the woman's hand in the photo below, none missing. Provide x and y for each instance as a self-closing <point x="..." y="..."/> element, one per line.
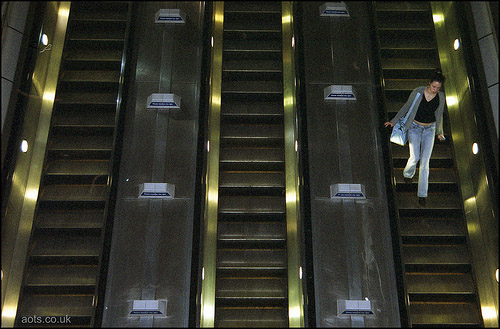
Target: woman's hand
<point x="388" y="123"/>
<point x="441" y="137"/>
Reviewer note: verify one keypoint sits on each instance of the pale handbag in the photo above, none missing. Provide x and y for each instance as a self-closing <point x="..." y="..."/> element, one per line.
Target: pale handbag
<point x="399" y="134"/>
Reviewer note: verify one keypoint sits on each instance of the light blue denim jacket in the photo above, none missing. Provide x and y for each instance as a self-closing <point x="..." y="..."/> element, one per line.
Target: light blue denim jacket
<point x="438" y="113"/>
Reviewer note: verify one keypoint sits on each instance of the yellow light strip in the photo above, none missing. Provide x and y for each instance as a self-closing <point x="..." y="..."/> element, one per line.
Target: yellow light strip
<point x="34" y="164"/>
<point x="207" y="314"/>
<point x="295" y="293"/>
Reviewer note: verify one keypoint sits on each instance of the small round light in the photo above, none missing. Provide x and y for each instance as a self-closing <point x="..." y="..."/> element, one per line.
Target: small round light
<point x="496" y="274"/>
<point x="45" y="39"/>
<point x="24" y="146"/>
<point x="456" y="44"/>
<point x="300" y="272"/>
<point x="475" y="148"/>
<point x="293" y="42"/>
<point x="212" y="41"/>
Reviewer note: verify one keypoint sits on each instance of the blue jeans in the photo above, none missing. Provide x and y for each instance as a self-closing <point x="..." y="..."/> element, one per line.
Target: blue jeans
<point x="421" y="141"/>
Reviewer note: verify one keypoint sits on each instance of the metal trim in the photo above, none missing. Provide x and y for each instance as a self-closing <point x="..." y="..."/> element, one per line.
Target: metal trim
<point x="292" y="177"/>
<point x="207" y="304"/>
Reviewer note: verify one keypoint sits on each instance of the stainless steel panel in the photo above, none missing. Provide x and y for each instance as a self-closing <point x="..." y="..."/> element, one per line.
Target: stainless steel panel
<point x="337" y="51"/>
<point x="152" y="239"/>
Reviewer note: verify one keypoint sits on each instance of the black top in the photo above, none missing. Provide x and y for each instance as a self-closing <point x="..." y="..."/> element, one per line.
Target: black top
<point x="425" y="112"/>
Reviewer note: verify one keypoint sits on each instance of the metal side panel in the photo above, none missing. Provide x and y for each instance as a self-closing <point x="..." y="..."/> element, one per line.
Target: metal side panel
<point x="351" y="239"/>
<point x="151" y="248"/>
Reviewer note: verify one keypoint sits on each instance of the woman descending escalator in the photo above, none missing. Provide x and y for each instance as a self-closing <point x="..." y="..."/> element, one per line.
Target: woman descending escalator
<point x="422" y="125"/>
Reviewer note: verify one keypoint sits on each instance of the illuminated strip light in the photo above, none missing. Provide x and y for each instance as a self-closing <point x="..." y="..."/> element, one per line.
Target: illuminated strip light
<point x="207" y="296"/>
<point x="295" y="292"/>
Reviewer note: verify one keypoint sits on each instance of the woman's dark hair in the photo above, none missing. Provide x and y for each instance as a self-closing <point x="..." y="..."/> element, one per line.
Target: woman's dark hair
<point x="438" y="76"/>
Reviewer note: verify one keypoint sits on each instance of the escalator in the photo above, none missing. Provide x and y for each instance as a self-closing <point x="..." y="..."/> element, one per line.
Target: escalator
<point x="62" y="273"/>
<point x="251" y="267"/>
<point x="440" y="290"/>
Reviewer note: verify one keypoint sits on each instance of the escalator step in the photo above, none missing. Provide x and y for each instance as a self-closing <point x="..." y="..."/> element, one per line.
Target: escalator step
<point x="409" y="39"/>
<point x="50" y="305"/>
<point x="440" y="151"/>
<point x="252" y="205"/>
<point x="252" y="317"/>
<point x="429" y="283"/>
<point x="236" y="111"/>
<point x="252" y="155"/>
<point x="252" y="87"/>
<point x="66" y="246"/>
<point x="401" y="6"/>
<point x="248" y="287"/>
<point x="101" y="143"/>
<point x="70" y="218"/>
<point x="432" y="254"/>
<point x="74" y="193"/>
<point x="251" y="22"/>
<point x="242" y="179"/>
<point x="84" y="119"/>
<point x="404" y="84"/>
<point x="435" y="201"/>
<point x="436" y="175"/>
<point x="78" y="167"/>
<point x="459" y="314"/>
<point x="421" y="226"/>
<point x="254" y="232"/>
<point x="251" y="135"/>
<point x="252" y="6"/>
<point x="87" y="98"/>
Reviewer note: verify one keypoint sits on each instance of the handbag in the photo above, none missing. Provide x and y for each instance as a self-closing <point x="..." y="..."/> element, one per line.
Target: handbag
<point x="399" y="134"/>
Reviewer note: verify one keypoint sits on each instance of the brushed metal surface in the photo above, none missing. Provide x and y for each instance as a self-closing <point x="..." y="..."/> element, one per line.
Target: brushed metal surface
<point x="337" y="51"/>
<point x="152" y="241"/>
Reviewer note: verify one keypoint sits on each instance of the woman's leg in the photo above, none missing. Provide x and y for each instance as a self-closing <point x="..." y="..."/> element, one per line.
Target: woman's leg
<point x="414" y="139"/>
<point x="428" y="137"/>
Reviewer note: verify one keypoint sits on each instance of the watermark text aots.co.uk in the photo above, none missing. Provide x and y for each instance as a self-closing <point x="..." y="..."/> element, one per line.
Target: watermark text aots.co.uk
<point x="36" y="319"/>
